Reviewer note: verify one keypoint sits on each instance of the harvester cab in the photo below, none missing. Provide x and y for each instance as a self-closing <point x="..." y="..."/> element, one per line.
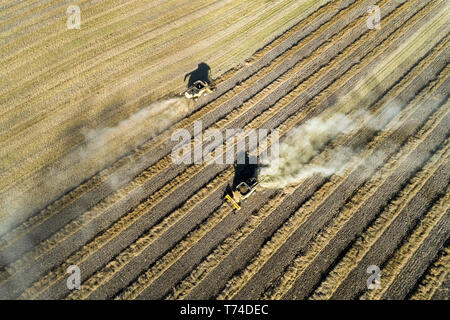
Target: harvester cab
<point x="198" y="89"/>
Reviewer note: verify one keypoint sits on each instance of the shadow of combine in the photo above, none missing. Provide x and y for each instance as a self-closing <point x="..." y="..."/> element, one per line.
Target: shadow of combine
<point x="245" y="170"/>
<point x="202" y="73"/>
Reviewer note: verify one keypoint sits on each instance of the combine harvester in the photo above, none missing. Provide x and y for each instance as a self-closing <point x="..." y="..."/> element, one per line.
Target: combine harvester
<point x="244" y="184"/>
<point x="200" y="82"/>
<point x="198" y="89"/>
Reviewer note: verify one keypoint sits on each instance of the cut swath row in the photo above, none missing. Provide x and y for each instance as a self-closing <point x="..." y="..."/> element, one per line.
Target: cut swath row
<point x="356" y="212"/>
<point x="412" y="257"/>
<point x="153" y="144"/>
<point x="102" y="275"/>
<point x="434" y="277"/>
<point x="144" y="174"/>
<point x="134" y="160"/>
<point x="236" y="284"/>
<point x="211" y="260"/>
<point x="366" y="242"/>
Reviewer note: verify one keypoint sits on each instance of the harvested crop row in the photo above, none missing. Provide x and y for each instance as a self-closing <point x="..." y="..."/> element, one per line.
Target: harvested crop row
<point x="152" y="144"/>
<point x="186" y="189"/>
<point x="235" y="285"/>
<point x="79" y="258"/>
<point x="234" y="241"/>
<point x="8" y="8"/>
<point x="187" y="175"/>
<point x="434" y="277"/>
<point x="351" y="212"/>
<point x="376" y="230"/>
<point x="24" y="145"/>
<point x="430" y="232"/>
<point x="103" y="277"/>
<point x="156" y="143"/>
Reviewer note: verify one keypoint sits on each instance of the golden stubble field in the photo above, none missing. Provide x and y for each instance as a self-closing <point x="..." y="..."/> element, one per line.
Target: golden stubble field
<point x="87" y="177"/>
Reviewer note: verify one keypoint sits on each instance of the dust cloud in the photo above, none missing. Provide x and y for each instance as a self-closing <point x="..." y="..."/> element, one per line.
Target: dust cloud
<point x="101" y="147"/>
<point x="306" y="141"/>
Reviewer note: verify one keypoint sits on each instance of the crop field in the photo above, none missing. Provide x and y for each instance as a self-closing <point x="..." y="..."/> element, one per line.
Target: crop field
<point x="358" y="108"/>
